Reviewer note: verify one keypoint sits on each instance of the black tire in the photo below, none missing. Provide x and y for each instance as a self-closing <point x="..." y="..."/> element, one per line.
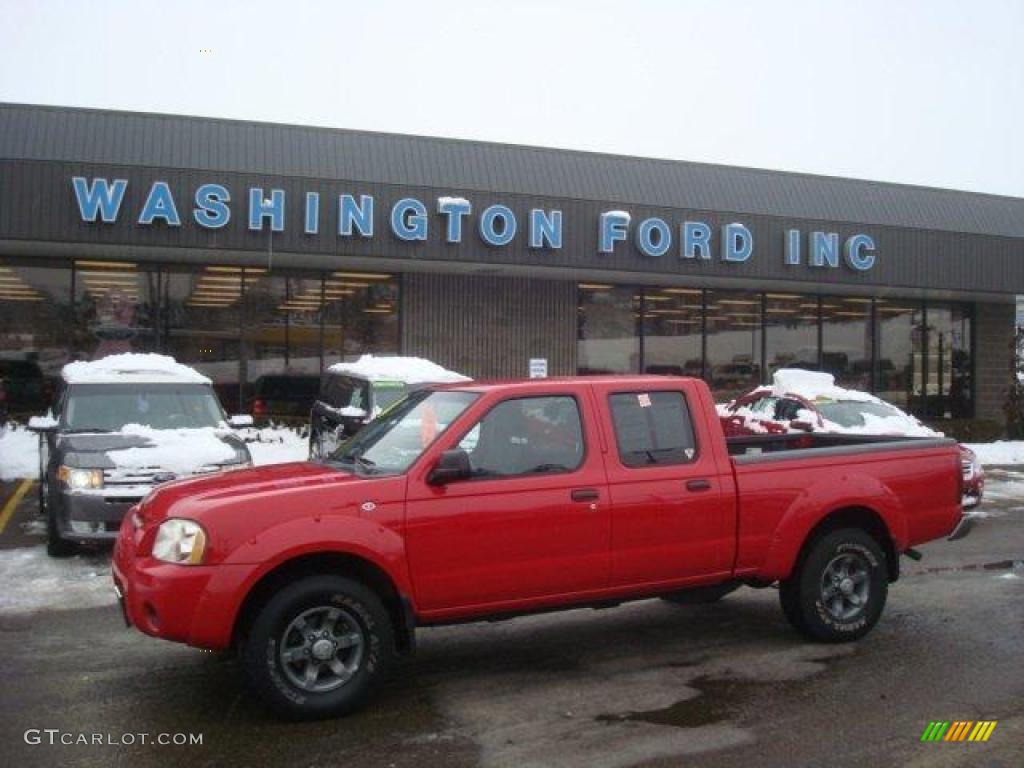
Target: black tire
<point x="837" y="593"/>
<point x="56" y="545"/>
<point x="701" y="595"/>
<point x="273" y="630"/>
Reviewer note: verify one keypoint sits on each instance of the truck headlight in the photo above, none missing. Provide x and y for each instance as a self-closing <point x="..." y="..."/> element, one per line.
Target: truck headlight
<point x="180" y="541"/>
<point x="80" y="479"/>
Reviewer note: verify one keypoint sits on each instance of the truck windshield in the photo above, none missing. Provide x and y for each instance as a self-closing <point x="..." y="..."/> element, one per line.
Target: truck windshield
<point x="109" y="407"/>
<point x="392" y="442"/>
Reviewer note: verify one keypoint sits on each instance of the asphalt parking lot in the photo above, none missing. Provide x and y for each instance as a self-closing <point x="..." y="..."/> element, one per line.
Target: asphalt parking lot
<point x="646" y="684"/>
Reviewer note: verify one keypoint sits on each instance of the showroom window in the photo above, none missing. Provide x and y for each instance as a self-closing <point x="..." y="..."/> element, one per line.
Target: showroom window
<point x="791" y="332"/>
<point x="948" y="362"/>
<point x="672" y="329"/>
<point x="608" y="329"/>
<point x="35" y="333"/>
<point x="900" y="344"/>
<point x="116" y="308"/>
<point x="733" y="363"/>
<point x="846" y="350"/>
<point x="360" y="315"/>
<point x="202" y="324"/>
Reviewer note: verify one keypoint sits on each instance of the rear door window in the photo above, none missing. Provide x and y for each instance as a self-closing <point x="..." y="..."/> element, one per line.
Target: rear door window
<point x="652" y="428"/>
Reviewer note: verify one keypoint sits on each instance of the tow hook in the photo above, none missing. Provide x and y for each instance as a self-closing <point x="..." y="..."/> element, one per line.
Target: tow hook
<point x="913" y="554"/>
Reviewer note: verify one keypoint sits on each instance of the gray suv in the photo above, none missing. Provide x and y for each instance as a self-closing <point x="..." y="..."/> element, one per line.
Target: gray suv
<point x="106" y="444"/>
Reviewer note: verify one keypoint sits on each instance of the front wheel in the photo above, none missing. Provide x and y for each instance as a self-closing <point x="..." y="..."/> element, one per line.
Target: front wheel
<point x="57" y="545"/>
<point x="318" y="647"/>
<point x="838" y="592"/>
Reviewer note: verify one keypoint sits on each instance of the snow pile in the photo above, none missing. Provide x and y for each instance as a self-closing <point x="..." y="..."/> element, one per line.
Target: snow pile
<point x="181" y="451"/>
<point x="408" y="370"/>
<point x="278" y="445"/>
<point x="19" y="453"/>
<point x="813" y="385"/>
<point x="1002" y="452"/>
<point x="34" y="581"/>
<point x="150" y="368"/>
<point x="444" y="202"/>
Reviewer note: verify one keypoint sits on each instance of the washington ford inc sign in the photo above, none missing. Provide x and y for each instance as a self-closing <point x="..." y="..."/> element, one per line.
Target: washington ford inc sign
<point x="100" y="199"/>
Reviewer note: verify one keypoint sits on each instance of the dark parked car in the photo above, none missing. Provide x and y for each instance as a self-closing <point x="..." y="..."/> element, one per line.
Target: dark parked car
<point x="119" y="427"/>
<point x="345" y="403"/>
<point x="351" y="394"/>
<point x="283" y="397"/>
<point x="26" y="389"/>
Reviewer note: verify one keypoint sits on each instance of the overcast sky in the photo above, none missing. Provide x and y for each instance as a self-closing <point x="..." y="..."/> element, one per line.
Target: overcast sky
<point x="922" y="92"/>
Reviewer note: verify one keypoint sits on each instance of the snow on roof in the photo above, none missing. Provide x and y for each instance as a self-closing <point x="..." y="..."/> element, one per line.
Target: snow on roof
<point x="408" y="370"/>
<point x="812" y="385"/>
<point x="132" y="367"/>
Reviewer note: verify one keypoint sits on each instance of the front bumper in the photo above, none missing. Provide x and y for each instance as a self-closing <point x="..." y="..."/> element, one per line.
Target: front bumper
<point x="193" y="604"/>
<point x="90" y="515"/>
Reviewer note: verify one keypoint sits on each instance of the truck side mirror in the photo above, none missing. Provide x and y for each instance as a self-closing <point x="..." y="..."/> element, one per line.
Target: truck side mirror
<point x="42" y="424"/>
<point x="453" y="465"/>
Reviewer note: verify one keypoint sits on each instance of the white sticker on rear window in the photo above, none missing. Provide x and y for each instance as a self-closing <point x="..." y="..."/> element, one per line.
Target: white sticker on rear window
<point x="644" y="399"/>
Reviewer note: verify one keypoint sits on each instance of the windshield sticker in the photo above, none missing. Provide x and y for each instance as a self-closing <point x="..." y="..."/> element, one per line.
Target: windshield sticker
<point x="644" y="400"/>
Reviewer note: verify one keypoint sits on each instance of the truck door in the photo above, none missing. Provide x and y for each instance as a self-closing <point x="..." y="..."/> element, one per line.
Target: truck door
<point x="532" y="520"/>
<point x="670" y="521"/>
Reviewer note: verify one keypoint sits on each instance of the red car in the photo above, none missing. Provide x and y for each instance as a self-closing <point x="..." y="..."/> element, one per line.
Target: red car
<point x="770" y="410"/>
<point x="472" y="501"/>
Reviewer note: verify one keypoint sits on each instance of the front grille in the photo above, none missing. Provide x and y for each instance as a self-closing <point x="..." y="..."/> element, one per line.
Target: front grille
<point x="129" y="485"/>
<point x="967" y="468"/>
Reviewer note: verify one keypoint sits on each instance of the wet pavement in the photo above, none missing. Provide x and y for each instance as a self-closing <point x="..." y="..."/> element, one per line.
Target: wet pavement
<point x="646" y="684"/>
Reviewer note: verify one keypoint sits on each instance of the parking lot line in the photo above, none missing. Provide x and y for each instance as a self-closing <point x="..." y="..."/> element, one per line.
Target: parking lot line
<point x="12" y="503"/>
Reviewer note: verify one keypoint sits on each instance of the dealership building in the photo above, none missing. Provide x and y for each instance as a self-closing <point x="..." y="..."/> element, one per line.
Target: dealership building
<point x="262" y="253"/>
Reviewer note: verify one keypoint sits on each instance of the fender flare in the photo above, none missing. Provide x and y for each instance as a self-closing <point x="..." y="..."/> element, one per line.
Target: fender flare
<point x="820" y="501"/>
<point x="278" y="545"/>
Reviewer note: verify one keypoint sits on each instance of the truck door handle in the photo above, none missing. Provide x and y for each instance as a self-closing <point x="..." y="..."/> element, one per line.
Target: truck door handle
<point x="702" y="484"/>
<point x="585" y="494"/>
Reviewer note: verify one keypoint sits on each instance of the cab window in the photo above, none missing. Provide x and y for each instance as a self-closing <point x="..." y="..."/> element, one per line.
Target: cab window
<point x="652" y="428"/>
<point x="526" y="436"/>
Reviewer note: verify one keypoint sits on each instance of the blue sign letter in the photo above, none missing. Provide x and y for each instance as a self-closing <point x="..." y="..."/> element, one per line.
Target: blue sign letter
<point x="489" y="229"/>
<point x="824" y="249"/>
<point x="860" y="252"/>
<point x="99" y="199"/>
<point x="737" y="242"/>
<point x="793" y="247"/>
<point x="650" y="244"/>
<point x="260" y="209"/>
<point x="312" y="213"/>
<point x="355" y="216"/>
<point x="696" y="237"/>
<point x="454" y="208"/>
<point x="409" y="219"/>
<point x="545" y="228"/>
<point x="614" y="225"/>
<point x="160" y="205"/>
<point x="211" y="210"/>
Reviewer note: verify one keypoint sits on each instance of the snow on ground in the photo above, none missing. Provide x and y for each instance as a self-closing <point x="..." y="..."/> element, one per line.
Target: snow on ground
<point x="1001" y="452"/>
<point x="131" y="367"/>
<point x="34" y="581"/>
<point x="19" y="453"/>
<point x="277" y="445"/>
<point x="410" y="370"/>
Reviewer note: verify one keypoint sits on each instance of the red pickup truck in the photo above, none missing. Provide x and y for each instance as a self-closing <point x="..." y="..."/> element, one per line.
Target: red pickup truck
<point x="474" y="500"/>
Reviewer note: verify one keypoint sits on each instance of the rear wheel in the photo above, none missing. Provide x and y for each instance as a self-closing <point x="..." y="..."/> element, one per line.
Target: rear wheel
<point x="839" y="590"/>
<point x="318" y="647"/>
